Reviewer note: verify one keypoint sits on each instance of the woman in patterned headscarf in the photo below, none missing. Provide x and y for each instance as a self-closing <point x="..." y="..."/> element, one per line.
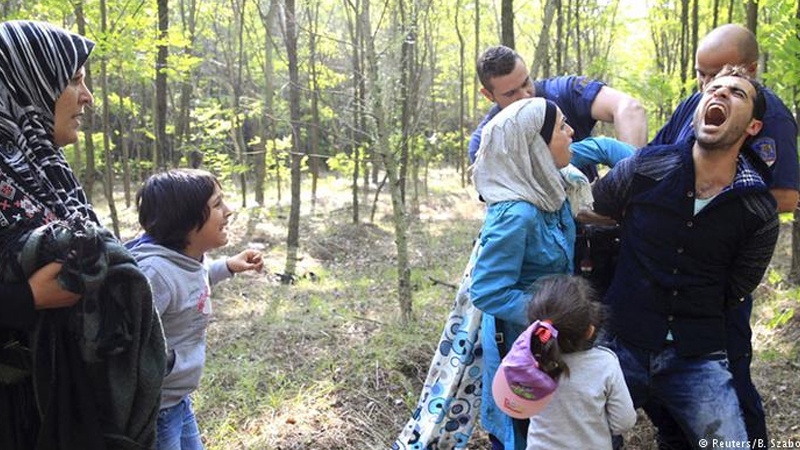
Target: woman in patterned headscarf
<point x="56" y="376"/>
<point x="528" y="232"/>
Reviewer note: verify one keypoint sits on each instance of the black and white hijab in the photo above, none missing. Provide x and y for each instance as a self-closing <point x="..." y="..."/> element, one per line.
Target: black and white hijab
<point x="37" y="62"/>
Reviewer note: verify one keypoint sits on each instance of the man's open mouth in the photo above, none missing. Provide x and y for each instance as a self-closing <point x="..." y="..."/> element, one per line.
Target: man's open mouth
<point x="715" y="115"/>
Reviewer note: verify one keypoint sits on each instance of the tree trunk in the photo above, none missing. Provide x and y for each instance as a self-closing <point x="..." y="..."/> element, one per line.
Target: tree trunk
<point x="124" y="143"/>
<point x="578" y="37"/>
<point x="383" y="146"/>
<point x="293" y="238"/>
<point x="239" y="116"/>
<point x="162" y="155"/>
<point x="407" y="51"/>
<point x="715" y="13"/>
<point x="313" y="129"/>
<point x="109" y="159"/>
<point x="752" y="16"/>
<point x="507" y="23"/>
<point x="354" y="29"/>
<point x="684" y="47"/>
<point x="462" y="164"/>
<point x="476" y="95"/>
<point x="730" y="11"/>
<point x="189" y="19"/>
<point x="260" y="165"/>
<point x="89" y="171"/>
<point x="795" y="271"/>
<point x="694" y="37"/>
<point x="541" y="59"/>
<point x="559" y="36"/>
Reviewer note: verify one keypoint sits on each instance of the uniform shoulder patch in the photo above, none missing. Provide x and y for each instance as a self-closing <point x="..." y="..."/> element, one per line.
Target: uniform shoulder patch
<point x="765" y="148"/>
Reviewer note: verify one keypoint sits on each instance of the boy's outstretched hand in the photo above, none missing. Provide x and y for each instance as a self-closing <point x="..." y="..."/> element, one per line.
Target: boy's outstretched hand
<point x="246" y="260"/>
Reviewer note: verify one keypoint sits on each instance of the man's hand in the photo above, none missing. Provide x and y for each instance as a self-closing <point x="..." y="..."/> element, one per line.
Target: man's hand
<point x="589" y="217"/>
<point x="786" y="198"/>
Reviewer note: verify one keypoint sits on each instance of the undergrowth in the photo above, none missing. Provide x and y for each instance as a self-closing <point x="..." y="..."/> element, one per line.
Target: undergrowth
<point x="326" y="363"/>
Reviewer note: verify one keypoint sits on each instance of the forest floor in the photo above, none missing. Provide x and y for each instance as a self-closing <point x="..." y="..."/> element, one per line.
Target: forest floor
<point x="326" y="363"/>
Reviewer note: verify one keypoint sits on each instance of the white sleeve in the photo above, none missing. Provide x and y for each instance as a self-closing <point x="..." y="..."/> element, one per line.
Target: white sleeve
<point x="218" y="271"/>
<point x="619" y="406"/>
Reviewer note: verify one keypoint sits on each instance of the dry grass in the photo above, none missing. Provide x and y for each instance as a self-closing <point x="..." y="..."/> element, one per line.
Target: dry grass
<point x="326" y="364"/>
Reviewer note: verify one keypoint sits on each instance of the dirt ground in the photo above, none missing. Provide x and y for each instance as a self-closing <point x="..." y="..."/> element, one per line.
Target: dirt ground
<point x="324" y="363"/>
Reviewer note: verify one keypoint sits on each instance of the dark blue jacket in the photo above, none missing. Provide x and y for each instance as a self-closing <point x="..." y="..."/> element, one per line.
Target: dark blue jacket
<point x="678" y="271"/>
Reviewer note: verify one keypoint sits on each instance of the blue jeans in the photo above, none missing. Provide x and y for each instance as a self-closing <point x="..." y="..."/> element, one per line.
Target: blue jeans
<point x="698" y="392"/>
<point x="740" y="354"/>
<point x="177" y="428"/>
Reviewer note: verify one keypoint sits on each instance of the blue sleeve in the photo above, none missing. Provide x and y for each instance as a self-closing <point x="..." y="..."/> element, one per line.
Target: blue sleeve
<point x="679" y="125"/>
<point x="498" y="268"/>
<point x="574" y="95"/>
<point x="475" y="139"/>
<point x="599" y="150"/>
<point x="777" y="144"/>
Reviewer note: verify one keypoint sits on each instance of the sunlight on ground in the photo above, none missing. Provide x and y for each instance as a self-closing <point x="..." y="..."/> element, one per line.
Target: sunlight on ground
<point x="326" y="363"/>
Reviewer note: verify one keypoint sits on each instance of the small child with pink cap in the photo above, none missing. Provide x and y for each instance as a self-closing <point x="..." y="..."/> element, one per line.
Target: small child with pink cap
<point x="573" y="392"/>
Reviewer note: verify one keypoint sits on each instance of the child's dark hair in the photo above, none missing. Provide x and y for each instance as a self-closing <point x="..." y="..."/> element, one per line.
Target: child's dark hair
<point x="567" y="302"/>
<point x="173" y="203"/>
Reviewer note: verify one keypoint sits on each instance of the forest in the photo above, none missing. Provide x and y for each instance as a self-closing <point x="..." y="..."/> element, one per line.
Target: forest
<point x="265" y="91"/>
<point x="357" y="113"/>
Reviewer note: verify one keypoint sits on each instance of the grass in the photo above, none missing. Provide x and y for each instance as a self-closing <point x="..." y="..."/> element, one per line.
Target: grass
<point x="325" y="363"/>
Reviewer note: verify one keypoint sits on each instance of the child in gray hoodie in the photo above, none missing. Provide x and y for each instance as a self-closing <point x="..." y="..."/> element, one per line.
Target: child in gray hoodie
<point x="184" y="215"/>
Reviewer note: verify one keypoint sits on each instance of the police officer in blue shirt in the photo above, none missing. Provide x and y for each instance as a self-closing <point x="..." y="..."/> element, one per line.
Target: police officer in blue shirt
<point x="505" y="78"/>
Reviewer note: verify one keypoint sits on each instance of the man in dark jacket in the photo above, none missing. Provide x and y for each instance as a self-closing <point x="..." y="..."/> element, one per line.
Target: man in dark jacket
<point x="698" y="230"/>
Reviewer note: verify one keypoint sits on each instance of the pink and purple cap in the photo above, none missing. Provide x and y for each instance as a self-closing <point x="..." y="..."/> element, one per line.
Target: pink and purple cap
<point x="520" y="388"/>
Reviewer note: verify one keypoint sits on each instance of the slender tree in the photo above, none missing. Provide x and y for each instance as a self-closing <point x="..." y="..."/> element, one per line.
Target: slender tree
<point x="559" y="37"/>
<point x="352" y="9"/>
<point x="236" y="68"/>
<point x="407" y="55"/>
<point x="293" y="237"/>
<point x="267" y="122"/>
<point x="188" y="13"/>
<point x="476" y="95"/>
<point x="387" y="156"/>
<point x="541" y="59"/>
<point x="314" y="126"/>
<point x="507" y="23"/>
<point x="108" y="186"/>
<point x="462" y="165"/>
<point x="89" y="171"/>
<point x="162" y="154"/>
<point x="752" y="16"/>
<point x="795" y="270"/>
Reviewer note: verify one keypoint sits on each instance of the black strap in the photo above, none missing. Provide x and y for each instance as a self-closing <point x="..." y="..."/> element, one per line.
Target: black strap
<point x="500" y="338"/>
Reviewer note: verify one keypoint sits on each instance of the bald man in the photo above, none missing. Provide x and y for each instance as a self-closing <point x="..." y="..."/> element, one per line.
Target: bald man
<point x="735" y="45"/>
<point x="776" y="144"/>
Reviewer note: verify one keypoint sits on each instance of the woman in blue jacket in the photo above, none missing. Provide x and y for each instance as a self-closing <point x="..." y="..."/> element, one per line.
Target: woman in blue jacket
<point x="528" y="232"/>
